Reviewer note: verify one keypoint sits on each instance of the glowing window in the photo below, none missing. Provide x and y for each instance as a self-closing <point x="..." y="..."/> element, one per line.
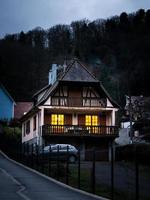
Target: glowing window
<point x="94" y="120"/>
<point x="60" y="119"/>
<point x="91" y="120"/>
<point x="57" y="119"/>
<point x="88" y="120"/>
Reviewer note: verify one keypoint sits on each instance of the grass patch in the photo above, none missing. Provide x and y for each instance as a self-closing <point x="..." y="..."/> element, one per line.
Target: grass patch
<point x="85" y="184"/>
<point x="86" y="180"/>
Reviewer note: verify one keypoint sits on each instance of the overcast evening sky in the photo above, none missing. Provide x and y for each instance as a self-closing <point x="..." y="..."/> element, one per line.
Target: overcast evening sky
<point x="25" y="15"/>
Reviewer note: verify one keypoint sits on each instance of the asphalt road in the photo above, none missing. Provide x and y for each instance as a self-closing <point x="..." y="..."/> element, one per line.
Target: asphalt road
<point x="17" y="183"/>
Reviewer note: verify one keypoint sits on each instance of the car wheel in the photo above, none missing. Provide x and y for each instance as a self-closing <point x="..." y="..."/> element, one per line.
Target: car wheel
<point x="72" y="159"/>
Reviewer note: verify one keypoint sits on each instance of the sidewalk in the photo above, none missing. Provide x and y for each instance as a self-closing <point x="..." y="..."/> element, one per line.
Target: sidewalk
<point x="18" y="182"/>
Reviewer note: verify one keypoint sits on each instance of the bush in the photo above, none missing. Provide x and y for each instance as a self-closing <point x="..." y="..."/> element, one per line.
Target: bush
<point x="10" y="139"/>
<point x="12" y="133"/>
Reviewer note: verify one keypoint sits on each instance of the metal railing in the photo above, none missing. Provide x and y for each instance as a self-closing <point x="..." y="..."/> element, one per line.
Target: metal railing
<point x="92" y="175"/>
<point x="127" y="178"/>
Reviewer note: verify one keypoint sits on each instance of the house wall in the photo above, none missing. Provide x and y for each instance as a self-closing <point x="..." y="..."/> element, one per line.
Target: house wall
<point x="33" y="134"/>
<point x="78" y="119"/>
<point x="29" y="136"/>
<point x="67" y="119"/>
<point x="101" y="119"/>
<point x="81" y="119"/>
<point x="75" y="92"/>
<point x="76" y="97"/>
<point x="104" y="118"/>
<point x="75" y="119"/>
<point x="109" y="118"/>
<point x="47" y="118"/>
<point x="74" y="112"/>
<point x="109" y="103"/>
<point x="6" y="106"/>
<point x="48" y="102"/>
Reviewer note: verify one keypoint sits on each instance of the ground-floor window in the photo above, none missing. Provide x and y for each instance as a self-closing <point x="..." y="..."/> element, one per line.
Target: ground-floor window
<point x="34" y="123"/>
<point x="28" y="127"/>
<point x="24" y="129"/>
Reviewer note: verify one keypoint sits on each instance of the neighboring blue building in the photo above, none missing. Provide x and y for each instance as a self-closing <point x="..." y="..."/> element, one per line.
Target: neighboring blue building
<point x="6" y="104"/>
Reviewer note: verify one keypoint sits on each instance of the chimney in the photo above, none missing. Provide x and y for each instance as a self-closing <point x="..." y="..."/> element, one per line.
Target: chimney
<point x="65" y="65"/>
<point x="53" y="74"/>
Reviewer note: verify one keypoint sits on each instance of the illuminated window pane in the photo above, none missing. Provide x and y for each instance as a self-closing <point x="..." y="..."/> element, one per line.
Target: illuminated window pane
<point x="54" y="119"/>
<point x="94" y="120"/>
<point x="88" y="120"/>
<point x="60" y="119"/>
<point x="91" y="120"/>
<point x="57" y="119"/>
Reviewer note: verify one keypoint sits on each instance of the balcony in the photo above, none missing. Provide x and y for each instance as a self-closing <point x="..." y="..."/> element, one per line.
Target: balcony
<point x="73" y="130"/>
<point x="78" y="102"/>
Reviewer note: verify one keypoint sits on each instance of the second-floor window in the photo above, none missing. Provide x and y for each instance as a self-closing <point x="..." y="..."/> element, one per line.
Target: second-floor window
<point x="57" y="119"/>
<point x="91" y="120"/>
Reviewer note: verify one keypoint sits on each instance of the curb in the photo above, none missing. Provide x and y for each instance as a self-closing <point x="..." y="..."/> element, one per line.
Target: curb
<point x="53" y="180"/>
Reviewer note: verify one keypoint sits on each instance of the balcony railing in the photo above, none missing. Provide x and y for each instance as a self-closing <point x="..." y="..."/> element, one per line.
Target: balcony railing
<point x="78" y="130"/>
<point x="79" y="102"/>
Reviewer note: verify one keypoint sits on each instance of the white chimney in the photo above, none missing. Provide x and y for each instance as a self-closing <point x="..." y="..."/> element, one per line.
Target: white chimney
<point x="50" y="77"/>
<point x="53" y="74"/>
<point x="64" y="67"/>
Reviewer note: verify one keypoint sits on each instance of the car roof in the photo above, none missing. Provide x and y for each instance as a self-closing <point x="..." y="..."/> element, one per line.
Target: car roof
<point x="60" y="145"/>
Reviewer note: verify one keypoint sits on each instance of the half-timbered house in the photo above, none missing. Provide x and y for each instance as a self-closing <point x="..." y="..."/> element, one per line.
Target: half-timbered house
<point x="74" y="109"/>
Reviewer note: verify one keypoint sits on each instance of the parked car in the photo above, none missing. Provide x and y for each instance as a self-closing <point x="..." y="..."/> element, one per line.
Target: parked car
<point x="61" y="152"/>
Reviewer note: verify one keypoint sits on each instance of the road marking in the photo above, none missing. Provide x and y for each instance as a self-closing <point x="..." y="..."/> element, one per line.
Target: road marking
<point x="22" y="187"/>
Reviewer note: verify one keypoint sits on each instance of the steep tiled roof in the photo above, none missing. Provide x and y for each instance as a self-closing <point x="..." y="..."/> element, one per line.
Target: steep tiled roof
<point x="48" y="92"/>
<point x="21" y="108"/>
<point x="41" y="90"/>
<point x="76" y="71"/>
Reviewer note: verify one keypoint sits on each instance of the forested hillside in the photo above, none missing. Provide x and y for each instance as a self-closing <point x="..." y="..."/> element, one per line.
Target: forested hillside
<point x="116" y="49"/>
